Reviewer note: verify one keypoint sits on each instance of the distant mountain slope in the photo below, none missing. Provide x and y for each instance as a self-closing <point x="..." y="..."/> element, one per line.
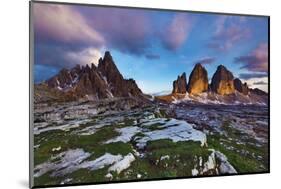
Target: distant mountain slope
<point x="92" y="83"/>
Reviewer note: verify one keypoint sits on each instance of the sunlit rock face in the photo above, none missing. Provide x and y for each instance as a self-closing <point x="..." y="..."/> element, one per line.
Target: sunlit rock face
<point x="222" y="81"/>
<point x="179" y="85"/>
<point x="240" y="87"/>
<point x="198" y="80"/>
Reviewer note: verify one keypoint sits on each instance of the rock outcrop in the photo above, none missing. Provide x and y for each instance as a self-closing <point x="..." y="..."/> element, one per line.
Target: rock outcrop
<point x="132" y="87"/>
<point x="198" y="80"/>
<point x="259" y="92"/>
<point x="63" y="79"/>
<point x="91" y="83"/>
<point x="179" y="85"/>
<point x="224" y="89"/>
<point x="112" y="76"/>
<point x="240" y="87"/>
<point x="222" y="81"/>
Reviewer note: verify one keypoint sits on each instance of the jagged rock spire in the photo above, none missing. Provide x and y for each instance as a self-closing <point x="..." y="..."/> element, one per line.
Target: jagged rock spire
<point x="222" y="81"/>
<point x="198" y="80"/>
<point x="179" y="85"/>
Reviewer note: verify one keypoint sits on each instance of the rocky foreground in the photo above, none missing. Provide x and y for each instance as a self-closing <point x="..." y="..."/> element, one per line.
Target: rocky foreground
<point x="90" y="142"/>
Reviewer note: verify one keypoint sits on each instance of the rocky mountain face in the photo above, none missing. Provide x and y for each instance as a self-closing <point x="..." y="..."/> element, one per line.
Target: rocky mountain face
<point x="222" y="81"/>
<point x="179" y="85"/>
<point x="240" y="87"/>
<point x="223" y="89"/>
<point x="257" y="91"/>
<point x="198" y="80"/>
<point x="92" y="82"/>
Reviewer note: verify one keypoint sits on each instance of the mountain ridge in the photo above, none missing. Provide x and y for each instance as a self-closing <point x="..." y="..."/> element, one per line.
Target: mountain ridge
<point x="104" y="81"/>
<point x="88" y="82"/>
<point x="223" y="89"/>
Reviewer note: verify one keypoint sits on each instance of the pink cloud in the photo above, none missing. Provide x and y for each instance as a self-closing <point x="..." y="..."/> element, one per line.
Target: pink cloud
<point x="228" y="32"/>
<point x="126" y="30"/>
<point x="257" y="60"/>
<point x="62" y="23"/>
<point x="83" y="57"/>
<point x="176" y="32"/>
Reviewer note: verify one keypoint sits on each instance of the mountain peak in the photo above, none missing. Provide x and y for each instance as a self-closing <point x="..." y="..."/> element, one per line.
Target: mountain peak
<point x="179" y="85"/>
<point x="222" y="81"/>
<point x="183" y="75"/>
<point x="198" y="80"/>
<point x="87" y="66"/>
<point x="107" y="62"/>
<point x="77" y="67"/>
<point x="108" y="68"/>
<point x="221" y="67"/>
<point x="223" y="88"/>
<point x="93" y="66"/>
<point x="107" y="55"/>
<point x="240" y="87"/>
<point x="198" y="65"/>
<point x="97" y="82"/>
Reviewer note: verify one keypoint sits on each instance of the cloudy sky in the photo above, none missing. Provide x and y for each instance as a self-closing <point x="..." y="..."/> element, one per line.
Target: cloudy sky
<point x="150" y="46"/>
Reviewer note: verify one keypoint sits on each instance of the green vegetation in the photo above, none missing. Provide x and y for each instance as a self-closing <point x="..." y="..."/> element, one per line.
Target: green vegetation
<point x="162" y="158"/>
<point x="48" y="141"/>
<point x="242" y="155"/>
<point x="165" y="158"/>
<point x="66" y="140"/>
<point x="46" y="179"/>
<point x="88" y="176"/>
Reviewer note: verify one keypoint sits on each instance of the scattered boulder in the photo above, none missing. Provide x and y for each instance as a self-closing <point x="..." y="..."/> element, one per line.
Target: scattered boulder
<point x="225" y="167"/>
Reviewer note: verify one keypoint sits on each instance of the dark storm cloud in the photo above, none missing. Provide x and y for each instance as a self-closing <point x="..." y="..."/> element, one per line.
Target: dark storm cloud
<point x="52" y="55"/>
